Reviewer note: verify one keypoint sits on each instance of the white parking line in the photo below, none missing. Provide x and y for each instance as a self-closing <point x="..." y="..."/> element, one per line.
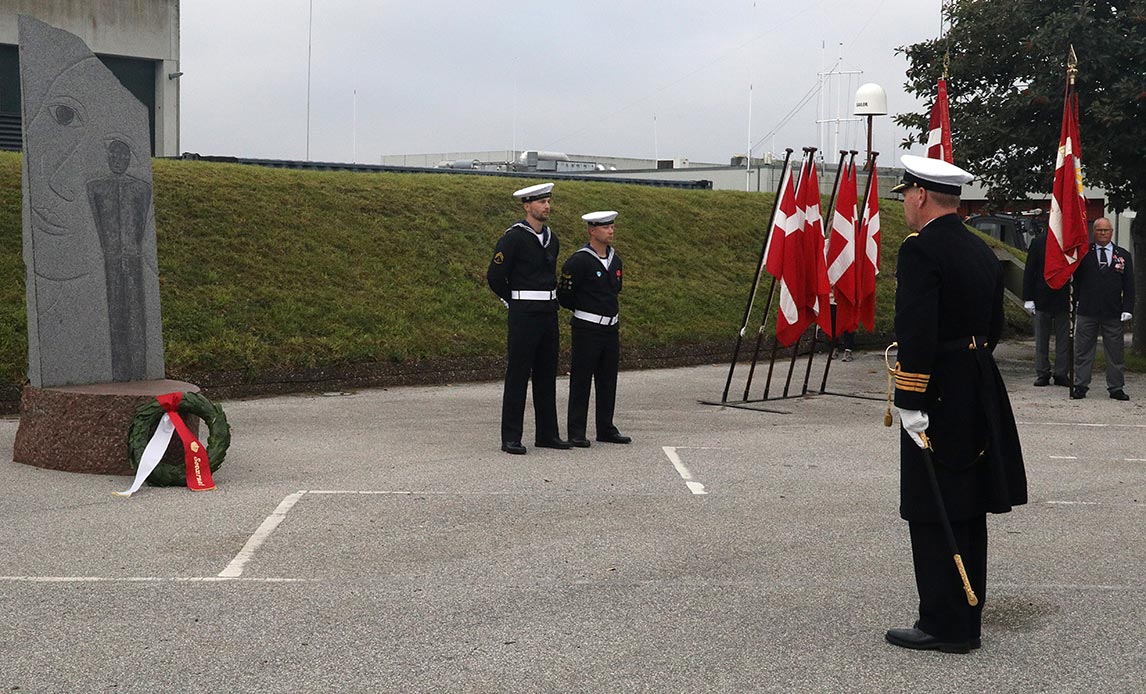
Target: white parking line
<point x="146" y="579"/>
<point x="693" y="486"/>
<point x="235" y="568"/>
<point x="1083" y="424"/>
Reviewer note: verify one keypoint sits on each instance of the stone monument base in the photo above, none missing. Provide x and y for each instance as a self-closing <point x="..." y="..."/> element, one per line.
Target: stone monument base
<point x="84" y="428"/>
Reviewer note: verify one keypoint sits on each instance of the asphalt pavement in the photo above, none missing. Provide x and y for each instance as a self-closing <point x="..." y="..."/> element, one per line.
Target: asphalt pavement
<point x="379" y="541"/>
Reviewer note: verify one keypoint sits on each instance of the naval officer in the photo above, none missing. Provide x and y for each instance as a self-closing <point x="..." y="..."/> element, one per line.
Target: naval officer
<point x="948" y="319"/>
<point x="523" y="272"/>
<point x="590" y="282"/>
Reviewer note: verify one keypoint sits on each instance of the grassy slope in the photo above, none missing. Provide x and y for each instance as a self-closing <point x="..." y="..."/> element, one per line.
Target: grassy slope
<point x="265" y="269"/>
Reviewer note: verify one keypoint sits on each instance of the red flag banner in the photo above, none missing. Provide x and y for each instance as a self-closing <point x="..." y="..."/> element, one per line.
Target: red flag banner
<point x="939" y="127"/>
<point x="842" y="272"/>
<point x="869" y="258"/>
<point x="1067" y="240"/>
<point x="817" y="288"/>
<point x="784" y="260"/>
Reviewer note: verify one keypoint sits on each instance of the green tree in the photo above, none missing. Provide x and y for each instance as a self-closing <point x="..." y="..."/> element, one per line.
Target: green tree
<point x="1007" y="75"/>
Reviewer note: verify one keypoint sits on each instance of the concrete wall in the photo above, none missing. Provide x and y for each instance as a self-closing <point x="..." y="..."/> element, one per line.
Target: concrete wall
<point x="146" y="29"/>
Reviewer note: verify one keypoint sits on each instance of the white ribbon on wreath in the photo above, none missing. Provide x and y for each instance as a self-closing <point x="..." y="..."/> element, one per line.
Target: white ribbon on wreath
<point x="152" y="454"/>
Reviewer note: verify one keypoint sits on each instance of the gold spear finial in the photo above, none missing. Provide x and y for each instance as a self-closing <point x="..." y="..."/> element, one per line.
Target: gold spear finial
<point x="1071" y="64"/>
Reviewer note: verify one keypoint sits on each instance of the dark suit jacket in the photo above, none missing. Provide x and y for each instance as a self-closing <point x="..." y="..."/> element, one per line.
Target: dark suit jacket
<point x="1105" y="293"/>
<point x="1035" y="287"/>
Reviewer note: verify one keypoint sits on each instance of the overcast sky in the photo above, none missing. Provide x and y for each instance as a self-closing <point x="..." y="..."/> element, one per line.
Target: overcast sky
<point x="637" y="78"/>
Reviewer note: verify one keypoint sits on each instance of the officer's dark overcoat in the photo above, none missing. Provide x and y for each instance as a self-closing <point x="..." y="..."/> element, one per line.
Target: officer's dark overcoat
<point x="948" y="319"/>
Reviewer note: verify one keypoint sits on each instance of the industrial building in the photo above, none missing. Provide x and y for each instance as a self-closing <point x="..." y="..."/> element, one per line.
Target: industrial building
<point x="137" y="40"/>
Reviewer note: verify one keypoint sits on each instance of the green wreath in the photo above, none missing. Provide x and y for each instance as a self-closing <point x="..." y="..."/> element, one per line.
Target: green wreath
<point x="146" y="421"/>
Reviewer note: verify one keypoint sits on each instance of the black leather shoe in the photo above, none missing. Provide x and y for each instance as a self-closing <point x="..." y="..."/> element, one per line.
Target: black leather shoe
<point x="579" y="441"/>
<point x="1042" y="381"/>
<point x="1077" y="393"/>
<point x="1119" y="395"/>
<point x="1061" y="381"/>
<point x="922" y="641"/>
<point x="513" y="447"/>
<point x="554" y="443"/>
<point x="615" y="438"/>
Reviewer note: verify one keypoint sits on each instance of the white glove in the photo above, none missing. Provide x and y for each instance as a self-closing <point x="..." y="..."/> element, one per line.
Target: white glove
<point x="1029" y="306"/>
<point x="1126" y="316"/>
<point x="914" y="423"/>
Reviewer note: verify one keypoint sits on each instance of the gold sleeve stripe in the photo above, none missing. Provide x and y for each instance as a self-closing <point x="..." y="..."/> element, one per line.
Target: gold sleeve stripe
<point x="915" y="383"/>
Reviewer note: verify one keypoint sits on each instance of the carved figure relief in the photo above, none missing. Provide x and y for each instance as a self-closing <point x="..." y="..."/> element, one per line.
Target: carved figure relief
<point x="89" y="227"/>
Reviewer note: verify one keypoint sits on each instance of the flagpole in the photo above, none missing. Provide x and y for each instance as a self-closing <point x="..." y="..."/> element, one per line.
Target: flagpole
<point x="796" y="347"/>
<point x="871" y="156"/>
<point x="756" y="284"/>
<point x="855" y="274"/>
<point x="775" y="341"/>
<point x="1071" y="71"/>
<point x="816" y="330"/>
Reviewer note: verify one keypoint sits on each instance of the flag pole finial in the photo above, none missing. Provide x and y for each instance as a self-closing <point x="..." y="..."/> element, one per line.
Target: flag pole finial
<point x="1071" y="64"/>
<point x="946" y="62"/>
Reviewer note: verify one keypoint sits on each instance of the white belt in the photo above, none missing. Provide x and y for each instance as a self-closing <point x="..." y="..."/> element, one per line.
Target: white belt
<point x="594" y="318"/>
<point x="533" y="295"/>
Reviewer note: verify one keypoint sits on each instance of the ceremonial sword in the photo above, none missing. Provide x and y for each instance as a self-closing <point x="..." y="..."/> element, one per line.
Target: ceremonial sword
<point x="929" y="464"/>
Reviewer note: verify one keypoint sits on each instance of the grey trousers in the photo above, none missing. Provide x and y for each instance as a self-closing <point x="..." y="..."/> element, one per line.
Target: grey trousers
<point x="1086" y="332"/>
<point x="1046" y="324"/>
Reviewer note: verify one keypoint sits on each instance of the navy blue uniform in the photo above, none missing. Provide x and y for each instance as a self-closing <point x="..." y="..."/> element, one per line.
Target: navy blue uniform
<point x="523" y="272"/>
<point x="589" y="286"/>
<point x="948" y="319"/>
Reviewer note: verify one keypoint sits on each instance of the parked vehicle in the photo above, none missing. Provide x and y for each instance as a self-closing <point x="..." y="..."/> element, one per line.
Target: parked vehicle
<point x="1016" y="230"/>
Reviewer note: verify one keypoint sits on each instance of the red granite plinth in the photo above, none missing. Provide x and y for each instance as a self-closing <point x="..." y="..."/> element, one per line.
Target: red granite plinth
<point x="84" y="428"/>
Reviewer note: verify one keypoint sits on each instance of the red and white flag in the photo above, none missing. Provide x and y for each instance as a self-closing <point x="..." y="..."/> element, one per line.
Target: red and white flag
<point x="784" y="260"/>
<point x="1067" y="241"/>
<point x="817" y="289"/>
<point x="868" y="240"/>
<point x="842" y="274"/>
<point x="939" y="127"/>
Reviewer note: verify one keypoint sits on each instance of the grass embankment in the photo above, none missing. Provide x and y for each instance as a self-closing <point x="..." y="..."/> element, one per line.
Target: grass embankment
<point x="269" y="273"/>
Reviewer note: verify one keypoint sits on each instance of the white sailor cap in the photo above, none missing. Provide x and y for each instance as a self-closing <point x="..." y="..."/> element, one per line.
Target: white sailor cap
<point x="537" y="192"/>
<point x="932" y="174"/>
<point x="600" y="219"/>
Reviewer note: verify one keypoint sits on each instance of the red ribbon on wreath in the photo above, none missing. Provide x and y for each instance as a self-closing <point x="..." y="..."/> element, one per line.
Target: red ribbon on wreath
<point x="194" y="452"/>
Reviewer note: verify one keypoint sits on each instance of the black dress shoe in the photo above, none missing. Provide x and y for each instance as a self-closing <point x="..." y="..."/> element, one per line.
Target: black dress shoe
<point x="1042" y="381"/>
<point x="554" y="443"/>
<point x="1119" y="395"/>
<point x="614" y="438"/>
<point x="513" y="447"/>
<point x="579" y="441"/>
<point x="1077" y="393"/>
<point x="922" y="641"/>
<point x="1061" y="381"/>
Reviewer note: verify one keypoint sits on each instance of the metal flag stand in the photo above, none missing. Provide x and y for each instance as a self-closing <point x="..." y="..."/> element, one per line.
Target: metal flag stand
<point x="746" y="402"/>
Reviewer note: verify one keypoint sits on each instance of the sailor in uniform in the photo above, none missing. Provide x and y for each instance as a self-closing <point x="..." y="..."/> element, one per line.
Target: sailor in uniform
<point x="948" y="319"/>
<point x="590" y="282"/>
<point x="523" y="272"/>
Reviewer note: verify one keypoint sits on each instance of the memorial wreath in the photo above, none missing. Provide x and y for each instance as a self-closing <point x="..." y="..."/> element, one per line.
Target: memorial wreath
<point x="147" y="420"/>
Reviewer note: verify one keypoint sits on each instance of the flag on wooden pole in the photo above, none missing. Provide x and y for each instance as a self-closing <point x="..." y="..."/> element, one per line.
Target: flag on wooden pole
<point x="939" y="127"/>
<point x="1067" y="241"/>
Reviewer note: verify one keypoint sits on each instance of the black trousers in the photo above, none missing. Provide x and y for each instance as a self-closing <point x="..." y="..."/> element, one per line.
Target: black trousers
<point x="595" y="359"/>
<point x="532" y="341"/>
<point x="943" y="609"/>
